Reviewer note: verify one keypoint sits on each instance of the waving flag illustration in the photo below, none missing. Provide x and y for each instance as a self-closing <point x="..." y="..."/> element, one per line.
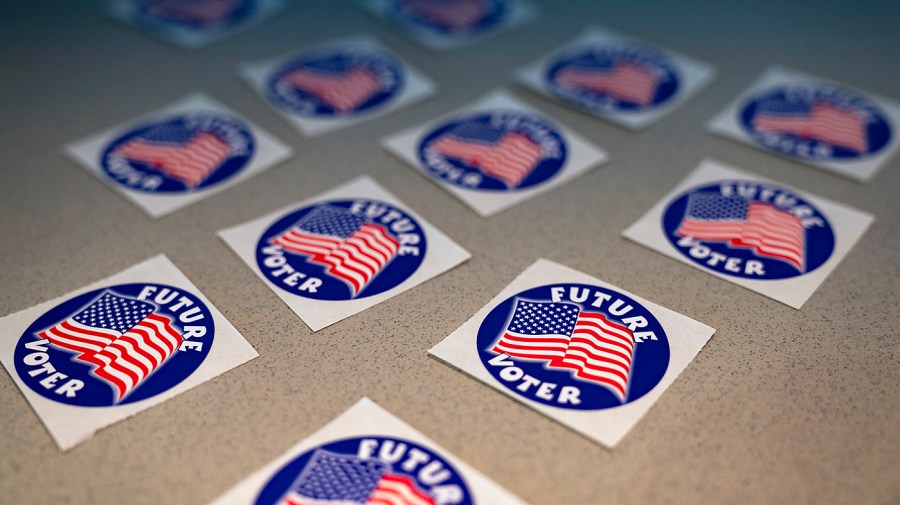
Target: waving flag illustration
<point x="821" y="121"/>
<point x="564" y="336"/>
<point x="194" y="11"/>
<point x="760" y="226"/>
<point x="457" y="15"/>
<point x="178" y="152"/>
<point x="353" y="249"/>
<point x="339" y="479"/>
<point x="625" y="80"/>
<point x="124" y="338"/>
<point x="344" y="90"/>
<point x="508" y="156"/>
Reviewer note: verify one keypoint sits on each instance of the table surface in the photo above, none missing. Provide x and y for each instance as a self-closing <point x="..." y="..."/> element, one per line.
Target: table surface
<point x="781" y="406"/>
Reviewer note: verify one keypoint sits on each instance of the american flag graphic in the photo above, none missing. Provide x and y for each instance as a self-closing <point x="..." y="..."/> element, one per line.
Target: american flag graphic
<point x="193" y="11"/>
<point x="624" y="80"/>
<point x="124" y="338"/>
<point x="507" y="156"/>
<point x="339" y="479"/>
<point x="353" y="249"/>
<point x="178" y="152"/>
<point x="760" y="226"/>
<point x="597" y="349"/>
<point x="820" y="121"/>
<point x="457" y="15"/>
<point x="344" y="89"/>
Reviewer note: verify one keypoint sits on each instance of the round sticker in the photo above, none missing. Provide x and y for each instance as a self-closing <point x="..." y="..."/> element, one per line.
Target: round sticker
<point x="503" y="150"/>
<point x="336" y="83"/>
<point x="115" y="345"/>
<point x="181" y="153"/>
<point x="370" y="469"/>
<point x="624" y="79"/>
<point x="749" y="229"/>
<point x="574" y="346"/>
<point x="195" y="15"/>
<point x="341" y="249"/>
<point x="816" y="122"/>
<point x="450" y="17"/>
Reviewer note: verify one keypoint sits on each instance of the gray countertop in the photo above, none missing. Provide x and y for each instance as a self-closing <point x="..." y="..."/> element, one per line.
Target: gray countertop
<point x="781" y="406"/>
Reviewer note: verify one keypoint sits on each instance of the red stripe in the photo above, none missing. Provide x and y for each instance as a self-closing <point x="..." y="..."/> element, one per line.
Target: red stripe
<point x="398" y="490"/>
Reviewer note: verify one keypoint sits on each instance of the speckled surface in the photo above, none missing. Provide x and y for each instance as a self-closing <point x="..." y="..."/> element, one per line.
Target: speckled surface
<point x="782" y="406"/>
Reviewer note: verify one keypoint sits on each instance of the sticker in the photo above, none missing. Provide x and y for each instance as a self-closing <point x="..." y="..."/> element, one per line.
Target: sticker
<point x="334" y="85"/>
<point x="495" y="153"/>
<point x="119" y="346"/>
<point x="179" y="155"/>
<point x="581" y="351"/>
<point x="618" y="78"/>
<point x="754" y="232"/>
<point x="366" y="455"/>
<point x="814" y="121"/>
<point x="193" y="23"/>
<point x="445" y="24"/>
<point x="342" y="252"/>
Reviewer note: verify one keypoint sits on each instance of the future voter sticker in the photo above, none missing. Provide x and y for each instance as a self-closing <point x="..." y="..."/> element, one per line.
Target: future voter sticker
<point x="816" y="122"/>
<point x="341" y="249"/>
<point x="620" y="78"/>
<point x="195" y="15"/>
<point x="337" y="83"/>
<point x="367" y="469"/>
<point x="450" y="17"/>
<point x="116" y="345"/>
<point x="574" y="346"/>
<point x="500" y="150"/>
<point x="179" y="153"/>
<point x="749" y="229"/>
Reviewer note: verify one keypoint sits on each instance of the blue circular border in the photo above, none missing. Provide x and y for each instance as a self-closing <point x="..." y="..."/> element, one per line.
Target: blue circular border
<point x="281" y="482"/>
<point x="95" y="392"/>
<point x="650" y="361"/>
<point x="396" y="272"/>
<point x="878" y="132"/>
<point x="219" y="122"/>
<point x="545" y="170"/>
<point x="820" y="241"/>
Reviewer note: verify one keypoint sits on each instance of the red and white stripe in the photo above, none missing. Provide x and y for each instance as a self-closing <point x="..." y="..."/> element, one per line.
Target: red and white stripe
<point x="361" y="257"/>
<point x="713" y="230"/>
<point x="398" y="490"/>
<point x="208" y="11"/>
<point x="125" y="360"/>
<point x="535" y="347"/>
<point x="190" y="163"/>
<point x="836" y="126"/>
<point x="600" y="351"/>
<point x="772" y="232"/>
<point x="356" y="260"/>
<point x="344" y="92"/>
<point x="455" y="14"/>
<point x="627" y="81"/>
<point x="510" y="160"/>
<point x="297" y="241"/>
